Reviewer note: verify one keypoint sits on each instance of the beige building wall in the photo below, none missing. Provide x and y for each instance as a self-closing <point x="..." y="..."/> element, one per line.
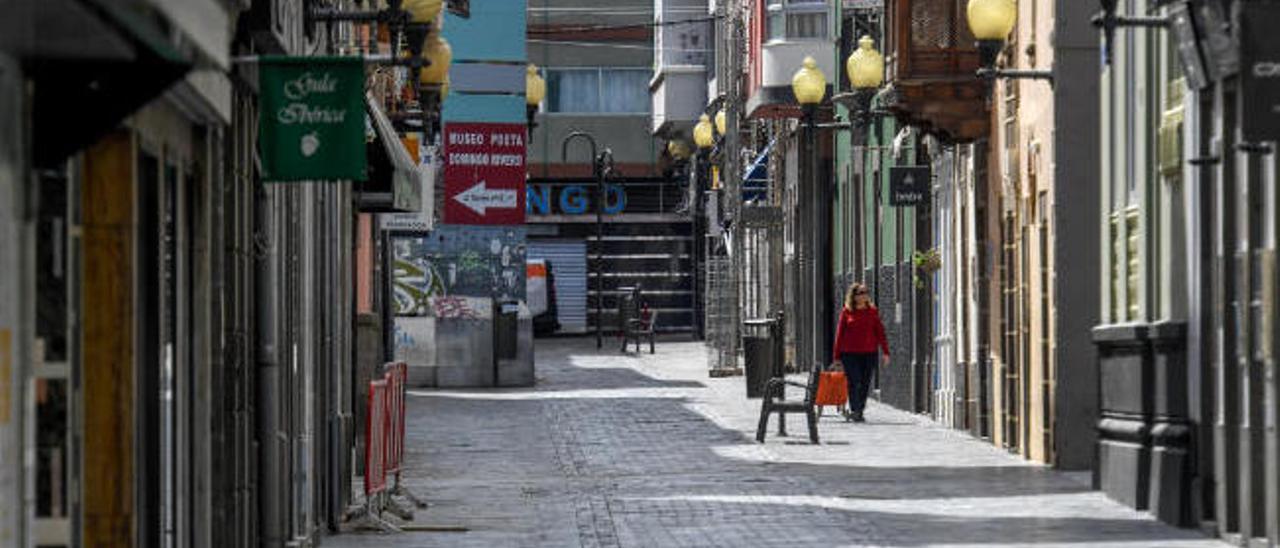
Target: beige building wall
<point x="1022" y="170"/>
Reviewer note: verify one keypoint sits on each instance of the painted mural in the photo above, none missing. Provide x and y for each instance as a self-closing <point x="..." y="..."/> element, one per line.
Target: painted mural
<point x="446" y="272"/>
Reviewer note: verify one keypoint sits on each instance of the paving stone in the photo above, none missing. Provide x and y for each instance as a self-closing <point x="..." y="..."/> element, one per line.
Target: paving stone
<point x="612" y="450"/>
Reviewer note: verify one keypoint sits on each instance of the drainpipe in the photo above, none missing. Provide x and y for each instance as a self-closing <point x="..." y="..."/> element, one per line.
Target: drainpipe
<point x="271" y="519"/>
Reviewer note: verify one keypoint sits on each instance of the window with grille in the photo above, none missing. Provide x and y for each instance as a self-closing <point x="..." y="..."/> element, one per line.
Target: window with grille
<point x="940" y="25"/>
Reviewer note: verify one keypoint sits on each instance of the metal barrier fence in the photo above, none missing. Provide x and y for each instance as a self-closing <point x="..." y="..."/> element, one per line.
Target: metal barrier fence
<point x="397" y="375"/>
<point x="375" y="459"/>
<point x="384" y="452"/>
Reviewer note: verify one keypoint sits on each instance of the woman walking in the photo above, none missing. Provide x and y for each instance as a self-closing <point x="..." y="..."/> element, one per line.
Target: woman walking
<point x="859" y="338"/>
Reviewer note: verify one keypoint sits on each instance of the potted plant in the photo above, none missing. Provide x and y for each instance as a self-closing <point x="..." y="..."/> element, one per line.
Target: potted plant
<point x="926" y="262"/>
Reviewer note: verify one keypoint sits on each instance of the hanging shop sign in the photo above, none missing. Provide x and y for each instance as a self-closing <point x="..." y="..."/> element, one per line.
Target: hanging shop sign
<point x="311" y="122"/>
<point x="484" y="173"/>
<point x="1259" y="70"/>
<point x="908" y="185"/>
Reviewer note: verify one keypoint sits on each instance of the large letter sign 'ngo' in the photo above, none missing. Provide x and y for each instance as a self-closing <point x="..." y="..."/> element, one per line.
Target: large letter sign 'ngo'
<point x="311" y="121"/>
<point x="484" y="172"/>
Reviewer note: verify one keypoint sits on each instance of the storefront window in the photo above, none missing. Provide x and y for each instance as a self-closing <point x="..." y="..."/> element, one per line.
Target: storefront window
<point x="598" y="90"/>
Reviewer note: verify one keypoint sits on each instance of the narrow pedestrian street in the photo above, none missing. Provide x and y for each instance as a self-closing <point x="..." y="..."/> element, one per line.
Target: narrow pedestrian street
<point x="646" y="451"/>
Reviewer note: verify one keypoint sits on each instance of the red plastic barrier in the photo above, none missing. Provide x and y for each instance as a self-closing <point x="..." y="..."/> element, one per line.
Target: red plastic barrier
<point x="397" y="375"/>
<point x="375" y="439"/>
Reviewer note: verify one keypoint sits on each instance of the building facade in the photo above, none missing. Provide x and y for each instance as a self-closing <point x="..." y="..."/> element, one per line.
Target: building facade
<point x="178" y="336"/>
<point x="980" y="296"/>
<point x="1187" y="253"/>
<point x="622" y="218"/>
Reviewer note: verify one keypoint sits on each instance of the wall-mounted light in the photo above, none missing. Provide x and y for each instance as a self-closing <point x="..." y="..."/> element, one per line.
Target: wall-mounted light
<point x="703" y="135"/>
<point x="720" y="122"/>
<point x="1108" y="21"/>
<point x="678" y="149"/>
<point x="991" y="21"/>
<point x="865" y="69"/>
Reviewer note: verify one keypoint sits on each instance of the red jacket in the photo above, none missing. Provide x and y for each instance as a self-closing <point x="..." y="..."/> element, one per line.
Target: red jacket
<point x="859" y="332"/>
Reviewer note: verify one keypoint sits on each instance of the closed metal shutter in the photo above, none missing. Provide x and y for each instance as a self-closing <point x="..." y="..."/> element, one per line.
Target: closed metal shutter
<point x="568" y="261"/>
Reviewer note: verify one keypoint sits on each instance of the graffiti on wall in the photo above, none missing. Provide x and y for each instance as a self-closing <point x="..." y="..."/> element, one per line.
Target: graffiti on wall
<point x="457" y="261"/>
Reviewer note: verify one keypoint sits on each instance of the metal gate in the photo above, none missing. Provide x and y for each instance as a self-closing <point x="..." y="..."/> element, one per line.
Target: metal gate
<point x="722" y="313"/>
<point x="568" y="265"/>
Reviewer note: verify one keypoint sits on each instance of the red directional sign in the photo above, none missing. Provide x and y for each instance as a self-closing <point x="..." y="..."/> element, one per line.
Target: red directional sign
<point x="484" y="173"/>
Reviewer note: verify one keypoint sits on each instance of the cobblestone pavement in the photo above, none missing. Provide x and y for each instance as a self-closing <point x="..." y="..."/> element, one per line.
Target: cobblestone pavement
<point x="647" y="451"/>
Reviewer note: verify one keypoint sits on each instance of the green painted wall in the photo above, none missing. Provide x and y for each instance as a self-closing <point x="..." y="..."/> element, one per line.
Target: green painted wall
<point x="878" y="136"/>
<point x="879" y="141"/>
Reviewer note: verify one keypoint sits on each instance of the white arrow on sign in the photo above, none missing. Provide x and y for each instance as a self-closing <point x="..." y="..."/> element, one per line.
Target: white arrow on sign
<point x="479" y="199"/>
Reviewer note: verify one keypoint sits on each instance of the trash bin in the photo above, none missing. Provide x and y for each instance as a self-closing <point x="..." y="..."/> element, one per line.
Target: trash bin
<point x="506" y="327"/>
<point x="762" y="353"/>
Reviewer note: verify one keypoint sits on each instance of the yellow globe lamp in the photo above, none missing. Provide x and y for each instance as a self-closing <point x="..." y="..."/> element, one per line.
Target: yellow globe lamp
<point x="992" y="20"/>
<point x="422" y="11"/>
<point x="535" y="88"/>
<point x="440" y="55"/>
<point x="809" y="84"/>
<point x="702" y="135"/>
<point x="865" y="66"/>
<point x="720" y="122"/>
<point x="678" y="149"/>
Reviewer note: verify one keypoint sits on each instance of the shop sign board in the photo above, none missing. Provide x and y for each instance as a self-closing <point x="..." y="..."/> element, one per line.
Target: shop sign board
<point x="1259" y="70"/>
<point x="484" y="173"/>
<point x="909" y="185"/>
<point x="311" y="121"/>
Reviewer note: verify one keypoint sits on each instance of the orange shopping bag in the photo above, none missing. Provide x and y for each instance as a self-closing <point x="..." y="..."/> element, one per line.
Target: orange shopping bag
<point x="832" y="389"/>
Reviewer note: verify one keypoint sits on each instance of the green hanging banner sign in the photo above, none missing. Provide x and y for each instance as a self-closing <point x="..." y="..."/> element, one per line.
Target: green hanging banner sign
<point x="311" y="118"/>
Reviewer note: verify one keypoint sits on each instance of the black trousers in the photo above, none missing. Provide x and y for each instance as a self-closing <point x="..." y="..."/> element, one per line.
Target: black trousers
<point x="859" y="371"/>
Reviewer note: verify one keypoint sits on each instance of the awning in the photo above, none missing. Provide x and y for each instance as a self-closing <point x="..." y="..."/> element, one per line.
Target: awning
<point x="92" y="64"/>
<point x="755" y="180"/>
<point x="395" y="182"/>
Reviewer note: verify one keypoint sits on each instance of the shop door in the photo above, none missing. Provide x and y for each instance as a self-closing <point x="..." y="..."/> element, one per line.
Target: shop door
<point x="163" y="388"/>
<point x="57" y="468"/>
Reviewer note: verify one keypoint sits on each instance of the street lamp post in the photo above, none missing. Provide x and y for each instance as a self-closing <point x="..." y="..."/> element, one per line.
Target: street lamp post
<point x="535" y="89"/>
<point x="434" y="76"/>
<point x="601" y="164"/>
<point x="704" y="139"/>
<point x="810" y="86"/>
<point x="865" y="68"/>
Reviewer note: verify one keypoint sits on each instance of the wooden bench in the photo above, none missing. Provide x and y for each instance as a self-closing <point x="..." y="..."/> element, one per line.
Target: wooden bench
<point x="776" y="387"/>
<point x="633" y="324"/>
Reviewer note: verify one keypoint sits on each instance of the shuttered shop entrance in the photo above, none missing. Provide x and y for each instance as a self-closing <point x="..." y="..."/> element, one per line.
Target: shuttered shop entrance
<point x="568" y="266"/>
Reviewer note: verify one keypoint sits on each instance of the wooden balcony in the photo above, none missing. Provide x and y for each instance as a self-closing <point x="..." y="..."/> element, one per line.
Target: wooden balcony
<point x="931" y="61"/>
